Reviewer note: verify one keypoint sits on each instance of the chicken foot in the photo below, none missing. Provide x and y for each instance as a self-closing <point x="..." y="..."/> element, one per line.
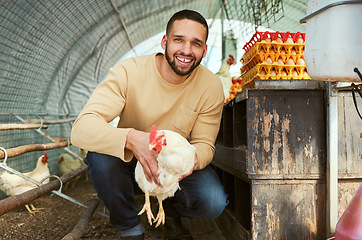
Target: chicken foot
<point x="147" y="208"/>
<point x="32" y="209"/>
<point x="160" y="218"/>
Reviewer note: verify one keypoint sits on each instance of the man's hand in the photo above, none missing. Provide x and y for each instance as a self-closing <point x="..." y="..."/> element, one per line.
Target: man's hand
<point x="137" y="142"/>
<point x="196" y="162"/>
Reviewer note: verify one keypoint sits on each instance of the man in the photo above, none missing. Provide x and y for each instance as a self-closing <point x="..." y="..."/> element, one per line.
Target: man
<point x="174" y="92"/>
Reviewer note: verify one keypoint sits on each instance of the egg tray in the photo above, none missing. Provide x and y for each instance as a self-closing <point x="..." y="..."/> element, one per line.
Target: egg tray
<point x="263" y="57"/>
<point x="233" y="92"/>
<point x="273" y="48"/>
<point x="232" y="95"/>
<point x="272" y="36"/>
<point x="275" y="71"/>
<point x="235" y="88"/>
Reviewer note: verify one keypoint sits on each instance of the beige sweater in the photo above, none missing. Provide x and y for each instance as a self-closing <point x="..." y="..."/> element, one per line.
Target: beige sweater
<point x="135" y="91"/>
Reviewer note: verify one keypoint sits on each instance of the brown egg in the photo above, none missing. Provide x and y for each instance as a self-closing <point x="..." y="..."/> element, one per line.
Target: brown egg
<point x="269" y="60"/>
<point x="272" y="51"/>
<point x="261" y="50"/>
<point x="273" y="72"/>
<point x="279" y="40"/>
<point x="280" y="61"/>
<point x="284" y="73"/>
<point x="300" y="40"/>
<point x="289" y="40"/>
<point x="294" y="52"/>
<point x="268" y="40"/>
<point x="294" y="73"/>
<point x="290" y="62"/>
<point x="300" y="61"/>
<point x="283" y="51"/>
<point x="305" y="74"/>
<point x="262" y="72"/>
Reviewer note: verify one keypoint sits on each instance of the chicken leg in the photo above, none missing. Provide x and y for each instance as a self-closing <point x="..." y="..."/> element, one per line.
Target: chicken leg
<point x="147" y="208"/>
<point x="160" y="218"/>
<point x="32" y="209"/>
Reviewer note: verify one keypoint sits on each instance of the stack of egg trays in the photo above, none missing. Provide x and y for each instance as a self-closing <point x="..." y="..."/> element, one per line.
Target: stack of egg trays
<point x="264" y="53"/>
<point x="279" y="49"/>
<point x="275" y="71"/>
<point x="255" y="65"/>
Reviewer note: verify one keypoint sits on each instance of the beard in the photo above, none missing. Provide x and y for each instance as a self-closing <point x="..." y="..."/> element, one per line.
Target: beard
<point x="179" y="70"/>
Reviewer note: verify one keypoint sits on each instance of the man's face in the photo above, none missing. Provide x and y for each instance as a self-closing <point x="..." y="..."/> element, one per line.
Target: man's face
<point x="185" y="46"/>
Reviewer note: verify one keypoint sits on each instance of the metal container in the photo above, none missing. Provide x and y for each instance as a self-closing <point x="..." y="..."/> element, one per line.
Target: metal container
<point x="333" y="44"/>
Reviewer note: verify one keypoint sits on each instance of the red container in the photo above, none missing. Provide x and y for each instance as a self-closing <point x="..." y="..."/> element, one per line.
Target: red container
<point x="260" y="36"/>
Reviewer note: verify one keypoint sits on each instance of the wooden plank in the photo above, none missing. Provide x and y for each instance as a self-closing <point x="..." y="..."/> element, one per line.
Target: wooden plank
<point x="49" y="121"/>
<point x="20" y="126"/>
<point x="240" y="124"/>
<point x="349" y="141"/>
<point x="288" y="209"/>
<point x="231" y="160"/>
<point x="12" y="152"/>
<point x="228" y="127"/>
<point x="286" y="133"/>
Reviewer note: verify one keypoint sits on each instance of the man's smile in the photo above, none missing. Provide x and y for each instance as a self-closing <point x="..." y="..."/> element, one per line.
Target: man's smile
<point x="184" y="59"/>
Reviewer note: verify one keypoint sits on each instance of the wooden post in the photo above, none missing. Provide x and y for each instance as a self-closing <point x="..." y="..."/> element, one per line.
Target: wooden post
<point x="332" y="160"/>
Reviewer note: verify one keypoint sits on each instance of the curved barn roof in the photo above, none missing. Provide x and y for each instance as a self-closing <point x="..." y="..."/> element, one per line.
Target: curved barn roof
<point x="53" y="53"/>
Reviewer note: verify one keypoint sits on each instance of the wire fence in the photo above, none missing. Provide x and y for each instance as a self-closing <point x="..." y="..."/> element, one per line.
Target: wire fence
<point x="54" y="53"/>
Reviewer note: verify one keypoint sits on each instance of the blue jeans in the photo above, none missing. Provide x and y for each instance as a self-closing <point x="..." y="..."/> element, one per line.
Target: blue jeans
<point x="201" y="195"/>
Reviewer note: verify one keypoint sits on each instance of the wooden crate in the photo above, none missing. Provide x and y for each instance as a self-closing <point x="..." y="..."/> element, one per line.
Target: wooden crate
<point x="271" y="150"/>
<point x="271" y="156"/>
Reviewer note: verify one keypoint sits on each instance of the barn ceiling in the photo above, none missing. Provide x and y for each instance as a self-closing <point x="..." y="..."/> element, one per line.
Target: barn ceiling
<point x="54" y="53"/>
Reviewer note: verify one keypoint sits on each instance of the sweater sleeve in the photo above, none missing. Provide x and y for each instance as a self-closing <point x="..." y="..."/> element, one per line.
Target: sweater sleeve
<point x="91" y="130"/>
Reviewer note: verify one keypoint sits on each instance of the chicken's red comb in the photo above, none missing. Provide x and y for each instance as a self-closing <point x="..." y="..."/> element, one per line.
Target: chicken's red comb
<point x="45" y="154"/>
<point x="231" y="60"/>
<point x="153" y="132"/>
<point x="157" y="139"/>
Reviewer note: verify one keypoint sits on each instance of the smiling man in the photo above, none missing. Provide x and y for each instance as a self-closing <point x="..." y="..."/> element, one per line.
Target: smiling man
<point x="173" y="91"/>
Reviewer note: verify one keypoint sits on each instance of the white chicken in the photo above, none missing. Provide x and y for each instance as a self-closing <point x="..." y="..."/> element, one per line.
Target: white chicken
<point x="224" y="74"/>
<point x="68" y="164"/>
<point x="16" y="185"/>
<point x="176" y="158"/>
